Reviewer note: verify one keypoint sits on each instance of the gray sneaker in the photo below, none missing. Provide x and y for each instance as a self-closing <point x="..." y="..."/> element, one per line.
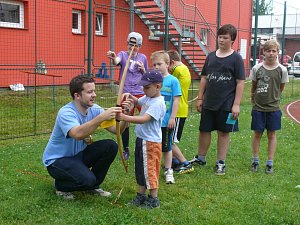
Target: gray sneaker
<point x="99" y="191"/>
<point x="138" y="200"/>
<point x="254" y="167"/>
<point x="220" y="168"/>
<point x="269" y="169"/>
<point x="196" y="161"/>
<point x="65" y="195"/>
<point x="151" y="203"/>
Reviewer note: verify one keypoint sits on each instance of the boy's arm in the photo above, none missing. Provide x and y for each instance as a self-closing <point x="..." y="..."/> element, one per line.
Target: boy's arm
<point x="135" y="119"/>
<point x="253" y="88"/>
<point x="238" y="97"/>
<point x="202" y="86"/>
<point x="171" y="122"/>
<point x="282" y="85"/>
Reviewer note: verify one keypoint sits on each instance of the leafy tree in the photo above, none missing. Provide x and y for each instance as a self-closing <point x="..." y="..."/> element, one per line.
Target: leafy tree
<point x="265" y="7"/>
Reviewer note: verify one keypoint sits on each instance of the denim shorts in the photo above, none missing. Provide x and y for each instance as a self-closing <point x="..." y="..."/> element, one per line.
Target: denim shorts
<point x="266" y="120"/>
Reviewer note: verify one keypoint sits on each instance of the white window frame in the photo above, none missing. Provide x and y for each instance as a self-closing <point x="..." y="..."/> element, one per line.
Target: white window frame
<point x="78" y="29"/>
<point x="21" y="14"/>
<point x="99" y="24"/>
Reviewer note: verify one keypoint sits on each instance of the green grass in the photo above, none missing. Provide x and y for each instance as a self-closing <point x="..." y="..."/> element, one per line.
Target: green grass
<point x="239" y="197"/>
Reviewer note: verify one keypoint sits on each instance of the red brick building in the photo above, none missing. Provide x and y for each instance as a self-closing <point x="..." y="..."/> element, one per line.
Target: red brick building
<point x="56" y="32"/>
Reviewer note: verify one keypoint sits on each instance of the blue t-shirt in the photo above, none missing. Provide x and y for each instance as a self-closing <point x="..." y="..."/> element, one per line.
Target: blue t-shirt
<point x="170" y="89"/>
<point x="60" y="143"/>
<point x="151" y="130"/>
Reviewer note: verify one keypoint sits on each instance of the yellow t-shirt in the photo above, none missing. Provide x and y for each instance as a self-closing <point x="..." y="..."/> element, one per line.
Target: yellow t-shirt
<point x="182" y="73"/>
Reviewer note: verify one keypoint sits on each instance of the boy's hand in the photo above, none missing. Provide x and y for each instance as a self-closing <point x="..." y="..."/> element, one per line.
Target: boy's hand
<point x="235" y="111"/>
<point x="171" y="123"/>
<point x="199" y="105"/>
<point x="141" y="66"/>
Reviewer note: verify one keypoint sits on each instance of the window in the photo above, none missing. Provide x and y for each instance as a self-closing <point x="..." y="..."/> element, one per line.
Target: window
<point x="204" y="35"/>
<point x="76" y="21"/>
<point x="99" y="24"/>
<point x="11" y="14"/>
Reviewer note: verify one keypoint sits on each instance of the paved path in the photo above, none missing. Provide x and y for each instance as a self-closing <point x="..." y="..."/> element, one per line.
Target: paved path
<point x="293" y="111"/>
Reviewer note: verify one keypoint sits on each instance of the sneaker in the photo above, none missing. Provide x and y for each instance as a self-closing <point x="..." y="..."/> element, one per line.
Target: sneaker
<point x="65" y="195"/>
<point x="169" y="176"/>
<point x="254" y="167"/>
<point x="126" y="153"/>
<point x="269" y="169"/>
<point x="182" y="169"/>
<point x="196" y="161"/>
<point x="220" y="168"/>
<point x="138" y="200"/>
<point x="151" y="203"/>
<point x="99" y="191"/>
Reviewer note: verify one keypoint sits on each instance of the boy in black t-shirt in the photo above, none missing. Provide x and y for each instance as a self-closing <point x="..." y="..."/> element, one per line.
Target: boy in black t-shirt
<point x="220" y="93"/>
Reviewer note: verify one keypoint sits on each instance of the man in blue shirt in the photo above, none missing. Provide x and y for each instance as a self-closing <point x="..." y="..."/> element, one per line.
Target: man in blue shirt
<point x="71" y="157"/>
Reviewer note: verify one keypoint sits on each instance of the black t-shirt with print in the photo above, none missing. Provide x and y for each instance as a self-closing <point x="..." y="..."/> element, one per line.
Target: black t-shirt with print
<point x="222" y="74"/>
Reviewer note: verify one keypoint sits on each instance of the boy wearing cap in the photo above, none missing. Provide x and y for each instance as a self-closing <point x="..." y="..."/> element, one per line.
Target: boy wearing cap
<point x="137" y="67"/>
<point x="171" y="91"/>
<point x="148" y="147"/>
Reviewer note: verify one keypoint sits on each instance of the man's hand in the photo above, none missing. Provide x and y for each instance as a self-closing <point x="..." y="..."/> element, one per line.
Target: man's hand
<point x="199" y="105"/>
<point x="110" y="113"/>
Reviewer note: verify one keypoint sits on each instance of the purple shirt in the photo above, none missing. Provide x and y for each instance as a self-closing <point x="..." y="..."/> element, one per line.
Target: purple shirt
<point x="134" y="75"/>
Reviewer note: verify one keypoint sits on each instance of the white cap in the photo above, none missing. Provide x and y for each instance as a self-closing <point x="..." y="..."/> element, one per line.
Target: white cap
<point x="137" y="36"/>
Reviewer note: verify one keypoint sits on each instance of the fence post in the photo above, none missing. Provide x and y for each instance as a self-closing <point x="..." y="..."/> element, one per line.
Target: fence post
<point x="90" y="16"/>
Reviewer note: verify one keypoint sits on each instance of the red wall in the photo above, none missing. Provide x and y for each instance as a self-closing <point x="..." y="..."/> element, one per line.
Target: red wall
<point x="48" y="36"/>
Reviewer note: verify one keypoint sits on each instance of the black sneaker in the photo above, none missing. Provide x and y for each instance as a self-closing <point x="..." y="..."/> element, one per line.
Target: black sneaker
<point x="196" y="161"/>
<point x="151" y="203"/>
<point x="220" y="168"/>
<point x="138" y="200"/>
<point x="183" y="169"/>
<point x="269" y="169"/>
<point x="254" y="167"/>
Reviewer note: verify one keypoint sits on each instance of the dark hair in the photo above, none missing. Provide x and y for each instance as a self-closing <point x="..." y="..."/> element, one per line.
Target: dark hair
<point x="76" y="84"/>
<point x="174" y="55"/>
<point x="228" y="29"/>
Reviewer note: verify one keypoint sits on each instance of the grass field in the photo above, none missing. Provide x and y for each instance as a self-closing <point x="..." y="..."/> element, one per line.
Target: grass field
<point x="240" y="197"/>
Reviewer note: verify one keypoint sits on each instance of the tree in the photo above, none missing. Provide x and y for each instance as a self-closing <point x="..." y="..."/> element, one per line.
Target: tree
<point x="265" y="7"/>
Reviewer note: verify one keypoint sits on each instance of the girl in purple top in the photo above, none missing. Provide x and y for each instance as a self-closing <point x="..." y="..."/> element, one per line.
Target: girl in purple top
<point x="137" y="67"/>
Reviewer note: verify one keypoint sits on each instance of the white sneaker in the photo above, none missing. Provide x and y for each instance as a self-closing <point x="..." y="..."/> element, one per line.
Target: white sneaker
<point x="65" y="195"/>
<point x="169" y="176"/>
<point x="100" y="192"/>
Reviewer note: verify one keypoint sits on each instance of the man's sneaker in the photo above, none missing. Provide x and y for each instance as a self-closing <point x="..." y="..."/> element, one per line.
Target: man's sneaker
<point x="254" y="167"/>
<point x="126" y="153"/>
<point x="151" y="203"/>
<point x="138" y="200"/>
<point x="100" y="192"/>
<point x="220" y="168"/>
<point x="169" y="176"/>
<point x="196" y="161"/>
<point x="65" y="195"/>
<point x="269" y="169"/>
<point x="182" y="168"/>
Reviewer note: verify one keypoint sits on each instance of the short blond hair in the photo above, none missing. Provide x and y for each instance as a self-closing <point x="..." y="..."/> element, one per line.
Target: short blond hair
<point x="161" y="55"/>
<point x="271" y="44"/>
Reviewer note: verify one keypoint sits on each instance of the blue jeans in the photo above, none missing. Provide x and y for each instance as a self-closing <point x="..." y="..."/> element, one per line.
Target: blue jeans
<point x="86" y="170"/>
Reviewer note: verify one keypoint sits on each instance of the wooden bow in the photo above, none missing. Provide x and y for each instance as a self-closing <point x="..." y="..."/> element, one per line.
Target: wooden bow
<point x="119" y="101"/>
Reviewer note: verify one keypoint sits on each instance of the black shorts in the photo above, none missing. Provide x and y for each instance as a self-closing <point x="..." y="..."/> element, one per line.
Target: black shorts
<point x="216" y="120"/>
<point x="167" y="139"/>
<point x="179" y="124"/>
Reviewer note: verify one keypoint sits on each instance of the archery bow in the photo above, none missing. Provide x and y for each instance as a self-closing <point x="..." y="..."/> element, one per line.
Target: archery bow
<point x="119" y="101"/>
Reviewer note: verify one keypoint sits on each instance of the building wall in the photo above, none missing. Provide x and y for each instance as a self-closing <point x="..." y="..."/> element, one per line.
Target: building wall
<point x="48" y="36"/>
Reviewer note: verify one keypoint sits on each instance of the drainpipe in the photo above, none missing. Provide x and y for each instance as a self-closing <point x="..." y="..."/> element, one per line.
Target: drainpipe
<point x="112" y="34"/>
<point x="218" y="21"/>
<point x="283" y="34"/>
<point x="131" y="15"/>
<point x="255" y="31"/>
<point x="166" y="39"/>
<point x="90" y="17"/>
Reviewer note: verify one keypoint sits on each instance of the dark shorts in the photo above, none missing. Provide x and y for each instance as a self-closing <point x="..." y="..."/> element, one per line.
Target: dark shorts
<point x="266" y="120"/>
<point x="167" y="139"/>
<point x="216" y="120"/>
<point x="147" y="163"/>
<point x="179" y="124"/>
